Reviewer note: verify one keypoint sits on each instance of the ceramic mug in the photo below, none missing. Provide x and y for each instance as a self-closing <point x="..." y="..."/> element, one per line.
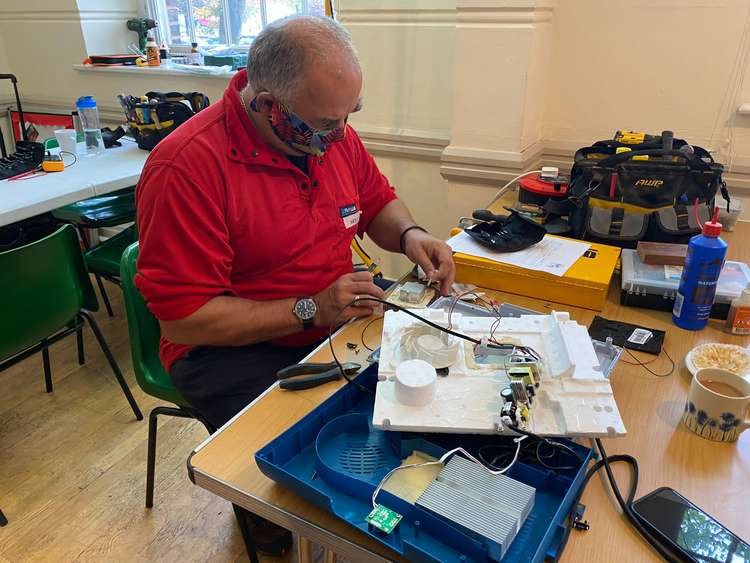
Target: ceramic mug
<point x="718" y="405"/>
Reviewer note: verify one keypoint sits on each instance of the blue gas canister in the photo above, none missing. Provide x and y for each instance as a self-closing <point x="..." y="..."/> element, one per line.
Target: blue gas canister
<point x="703" y="264"/>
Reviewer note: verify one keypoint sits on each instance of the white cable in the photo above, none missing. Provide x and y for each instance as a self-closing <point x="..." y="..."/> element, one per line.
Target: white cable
<point x="501" y="191"/>
<point x="442" y="461"/>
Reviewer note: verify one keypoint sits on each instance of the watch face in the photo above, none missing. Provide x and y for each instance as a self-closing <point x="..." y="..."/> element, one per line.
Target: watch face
<point x="305" y="309"/>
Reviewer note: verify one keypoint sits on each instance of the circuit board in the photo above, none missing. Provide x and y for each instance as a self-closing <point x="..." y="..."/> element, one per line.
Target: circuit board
<point x="560" y="391"/>
<point x="384" y="519"/>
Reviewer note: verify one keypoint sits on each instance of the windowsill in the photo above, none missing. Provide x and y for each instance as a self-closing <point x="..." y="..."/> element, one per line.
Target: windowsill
<point x="151" y="71"/>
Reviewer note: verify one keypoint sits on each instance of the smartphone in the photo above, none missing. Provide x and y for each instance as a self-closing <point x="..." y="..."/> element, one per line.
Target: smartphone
<point x="688" y="530"/>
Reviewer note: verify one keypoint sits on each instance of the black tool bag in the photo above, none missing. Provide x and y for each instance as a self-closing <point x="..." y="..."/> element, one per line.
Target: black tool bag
<point x="622" y="198"/>
<point x="161" y="113"/>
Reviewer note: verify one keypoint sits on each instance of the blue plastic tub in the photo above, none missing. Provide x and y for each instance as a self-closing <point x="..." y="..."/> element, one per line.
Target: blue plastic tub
<point x="334" y="458"/>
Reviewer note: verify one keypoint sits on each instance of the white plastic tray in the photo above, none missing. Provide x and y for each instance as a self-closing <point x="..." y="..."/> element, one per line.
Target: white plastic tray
<point x="573" y="399"/>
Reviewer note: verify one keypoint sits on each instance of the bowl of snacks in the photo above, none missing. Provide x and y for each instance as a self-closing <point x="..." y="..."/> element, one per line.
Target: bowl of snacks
<point x="717" y="355"/>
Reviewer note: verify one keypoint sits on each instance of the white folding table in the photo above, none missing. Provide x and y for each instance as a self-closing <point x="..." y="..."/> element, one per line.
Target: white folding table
<point x="113" y="170"/>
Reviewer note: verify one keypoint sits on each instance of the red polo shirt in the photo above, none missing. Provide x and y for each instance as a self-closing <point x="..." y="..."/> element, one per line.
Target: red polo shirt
<point x="222" y="213"/>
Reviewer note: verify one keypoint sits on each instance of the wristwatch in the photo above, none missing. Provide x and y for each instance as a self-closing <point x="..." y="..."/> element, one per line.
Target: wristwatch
<point x="305" y="309"/>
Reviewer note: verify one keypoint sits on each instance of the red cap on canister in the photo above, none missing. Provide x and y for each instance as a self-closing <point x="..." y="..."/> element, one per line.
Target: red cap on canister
<point x="712" y="228"/>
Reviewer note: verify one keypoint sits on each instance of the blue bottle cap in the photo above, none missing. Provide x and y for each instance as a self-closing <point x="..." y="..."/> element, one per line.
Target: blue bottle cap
<point x="86" y="102"/>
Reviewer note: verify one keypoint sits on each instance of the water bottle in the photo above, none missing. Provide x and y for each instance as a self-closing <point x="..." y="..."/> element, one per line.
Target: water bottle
<point x="92" y="134"/>
<point x="703" y="264"/>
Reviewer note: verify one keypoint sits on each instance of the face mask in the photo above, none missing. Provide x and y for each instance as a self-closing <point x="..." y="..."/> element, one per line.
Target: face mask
<point x="290" y="128"/>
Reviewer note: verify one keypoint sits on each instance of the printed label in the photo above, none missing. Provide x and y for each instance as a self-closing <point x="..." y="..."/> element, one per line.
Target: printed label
<point x="640" y="336"/>
<point x="351" y="220"/>
<point x="672" y="272"/>
<point x="741" y="322"/>
<point x="678" y="301"/>
<point x="348" y="210"/>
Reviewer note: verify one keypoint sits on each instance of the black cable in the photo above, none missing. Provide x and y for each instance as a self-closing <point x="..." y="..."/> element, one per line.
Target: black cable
<point x="529" y="453"/>
<point x="533" y="442"/>
<point x="75" y="158"/>
<point x="389" y="305"/>
<point x="392" y="306"/>
<point x="362" y="334"/>
<point x="644" y="366"/>
<point x="589" y="474"/>
<point x="627" y="506"/>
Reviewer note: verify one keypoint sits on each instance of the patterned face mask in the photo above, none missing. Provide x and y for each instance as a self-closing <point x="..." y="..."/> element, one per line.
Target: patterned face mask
<point x="290" y="128"/>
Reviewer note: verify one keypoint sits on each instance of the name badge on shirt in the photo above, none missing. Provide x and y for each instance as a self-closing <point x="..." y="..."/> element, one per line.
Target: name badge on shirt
<point x="349" y="215"/>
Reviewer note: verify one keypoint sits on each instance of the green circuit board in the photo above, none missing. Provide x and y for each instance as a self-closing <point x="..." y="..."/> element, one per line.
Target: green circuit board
<point x="383" y="518"/>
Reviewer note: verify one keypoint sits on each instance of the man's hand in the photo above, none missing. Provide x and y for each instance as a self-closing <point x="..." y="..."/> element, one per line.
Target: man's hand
<point x="434" y="256"/>
<point x="332" y="300"/>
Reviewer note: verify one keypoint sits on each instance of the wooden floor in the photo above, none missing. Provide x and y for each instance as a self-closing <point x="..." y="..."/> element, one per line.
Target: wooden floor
<point x="73" y="466"/>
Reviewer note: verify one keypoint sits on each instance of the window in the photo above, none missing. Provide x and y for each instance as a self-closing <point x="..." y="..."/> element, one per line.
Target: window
<point x="229" y="23"/>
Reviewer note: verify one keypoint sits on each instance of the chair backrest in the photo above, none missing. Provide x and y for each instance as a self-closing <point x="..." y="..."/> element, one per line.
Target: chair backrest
<point x="43" y="285"/>
<point x="144" y="332"/>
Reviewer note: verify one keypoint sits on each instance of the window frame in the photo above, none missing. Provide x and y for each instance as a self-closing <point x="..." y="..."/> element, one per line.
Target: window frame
<point x="157" y="10"/>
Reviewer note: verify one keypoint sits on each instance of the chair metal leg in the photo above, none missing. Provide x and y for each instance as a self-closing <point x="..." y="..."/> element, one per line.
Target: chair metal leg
<point x="47" y="368"/>
<point x="112" y="363"/>
<point x="239" y="514"/>
<point x="105" y="297"/>
<point x="151" y="459"/>
<point x="79" y="340"/>
<point x="3" y="519"/>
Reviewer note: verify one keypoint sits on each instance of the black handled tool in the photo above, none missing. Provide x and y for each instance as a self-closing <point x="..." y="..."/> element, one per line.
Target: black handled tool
<point x="315" y="374"/>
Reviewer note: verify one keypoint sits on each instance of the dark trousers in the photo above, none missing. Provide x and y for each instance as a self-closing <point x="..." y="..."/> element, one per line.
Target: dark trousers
<point x="219" y="381"/>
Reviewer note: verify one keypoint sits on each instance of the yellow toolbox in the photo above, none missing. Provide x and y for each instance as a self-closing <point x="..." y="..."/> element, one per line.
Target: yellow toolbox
<point x="585" y="284"/>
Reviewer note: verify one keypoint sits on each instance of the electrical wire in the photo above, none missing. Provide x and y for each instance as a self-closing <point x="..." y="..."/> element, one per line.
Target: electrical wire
<point x="75" y="158"/>
<point x="531" y="452"/>
<point x="501" y="191"/>
<point x="516" y="351"/>
<point x="573" y="516"/>
<point x="627" y="506"/>
<point x="392" y="306"/>
<point x="443" y="459"/>
<point x="644" y="365"/>
<point x="362" y="335"/>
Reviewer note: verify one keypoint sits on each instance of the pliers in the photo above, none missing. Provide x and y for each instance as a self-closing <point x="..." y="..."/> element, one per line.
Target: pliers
<point x="316" y="374"/>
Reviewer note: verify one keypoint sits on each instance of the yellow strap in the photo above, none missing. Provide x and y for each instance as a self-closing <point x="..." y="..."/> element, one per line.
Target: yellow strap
<point x="149" y="126"/>
<point x="605" y="204"/>
<point x="631" y="137"/>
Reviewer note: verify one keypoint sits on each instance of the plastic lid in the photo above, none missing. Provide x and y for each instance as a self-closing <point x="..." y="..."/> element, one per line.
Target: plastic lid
<point x="86" y="102"/>
<point x="712" y="228"/>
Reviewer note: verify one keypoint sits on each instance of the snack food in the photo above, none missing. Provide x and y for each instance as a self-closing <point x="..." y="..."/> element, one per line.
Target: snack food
<point x="726" y="356"/>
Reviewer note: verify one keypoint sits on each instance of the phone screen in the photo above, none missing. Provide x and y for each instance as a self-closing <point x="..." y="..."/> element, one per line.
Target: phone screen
<point x="696" y="533"/>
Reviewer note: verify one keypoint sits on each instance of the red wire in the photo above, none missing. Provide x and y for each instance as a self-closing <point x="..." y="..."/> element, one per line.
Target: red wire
<point x="639" y="363"/>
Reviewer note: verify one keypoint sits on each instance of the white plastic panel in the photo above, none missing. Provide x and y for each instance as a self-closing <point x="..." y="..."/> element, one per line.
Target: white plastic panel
<point x="573" y="399"/>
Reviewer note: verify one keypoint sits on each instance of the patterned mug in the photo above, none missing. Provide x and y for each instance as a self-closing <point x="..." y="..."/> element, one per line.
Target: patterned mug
<point x="718" y="405"/>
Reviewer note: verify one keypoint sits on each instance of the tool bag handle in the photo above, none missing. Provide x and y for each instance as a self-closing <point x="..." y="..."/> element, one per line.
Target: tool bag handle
<point x="615" y="159"/>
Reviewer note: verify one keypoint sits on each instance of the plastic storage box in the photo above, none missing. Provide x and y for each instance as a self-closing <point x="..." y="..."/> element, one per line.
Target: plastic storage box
<point x="334" y="459"/>
<point x="654" y="286"/>
<point x="729" y="218"/>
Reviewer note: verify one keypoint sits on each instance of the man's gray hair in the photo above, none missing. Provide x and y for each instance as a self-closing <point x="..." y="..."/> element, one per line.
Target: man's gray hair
<point x="280" y="54"/>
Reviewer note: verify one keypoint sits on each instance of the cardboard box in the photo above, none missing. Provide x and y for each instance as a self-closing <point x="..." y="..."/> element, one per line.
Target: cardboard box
<point x="585" y="284"/>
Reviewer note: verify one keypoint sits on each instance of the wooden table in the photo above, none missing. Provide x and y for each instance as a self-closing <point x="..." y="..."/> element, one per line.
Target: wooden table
<point x="715" y="476"/>
<point x="113" y="170"/>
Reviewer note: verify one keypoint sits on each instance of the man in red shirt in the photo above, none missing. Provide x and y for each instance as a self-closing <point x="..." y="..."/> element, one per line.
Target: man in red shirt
<point x="246" y="214"/>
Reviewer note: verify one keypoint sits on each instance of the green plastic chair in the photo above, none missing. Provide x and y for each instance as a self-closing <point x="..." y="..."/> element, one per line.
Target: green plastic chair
<point x="144" y="332"/>
<point x="110" y="210"/>
<point x="47" y="295"/>
<point x="104" y="259"/>
<point x="149" y="373"/>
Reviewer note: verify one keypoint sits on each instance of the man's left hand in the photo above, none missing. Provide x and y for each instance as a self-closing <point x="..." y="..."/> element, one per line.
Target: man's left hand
<point x="433" y="256"/>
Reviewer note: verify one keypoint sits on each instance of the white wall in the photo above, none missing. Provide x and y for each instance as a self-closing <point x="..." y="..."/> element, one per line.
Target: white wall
<point x="647" y="65"/>
<point x="45" y="38"/>
<point x="461" y="95"/>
